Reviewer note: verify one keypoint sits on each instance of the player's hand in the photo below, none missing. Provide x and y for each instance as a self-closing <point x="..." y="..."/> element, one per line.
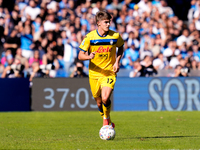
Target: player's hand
<point x="116" y="67"/>
<point x="91" y="56"/>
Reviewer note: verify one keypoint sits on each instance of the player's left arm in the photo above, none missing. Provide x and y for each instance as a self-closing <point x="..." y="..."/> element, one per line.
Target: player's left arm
<point x="119" y="56"/>
<point x="119" y="44"/>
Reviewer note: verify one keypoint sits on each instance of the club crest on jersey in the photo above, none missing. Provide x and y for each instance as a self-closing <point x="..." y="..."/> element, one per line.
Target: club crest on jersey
<point x="102" y="49"/>
<point x="111" y="42"/>
<point x="83" y="42"/>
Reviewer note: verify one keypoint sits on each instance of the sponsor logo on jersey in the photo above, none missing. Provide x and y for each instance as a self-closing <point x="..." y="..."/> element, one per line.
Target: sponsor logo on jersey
<point x="101" y="49"/>
<point x="103" y="55"/>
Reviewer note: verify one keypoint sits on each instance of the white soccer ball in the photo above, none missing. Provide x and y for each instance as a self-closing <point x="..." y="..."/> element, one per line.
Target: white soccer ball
<point x="107" y="132"/>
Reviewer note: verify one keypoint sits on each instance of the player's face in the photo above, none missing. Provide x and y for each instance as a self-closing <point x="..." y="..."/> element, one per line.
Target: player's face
<point x="104" y="24"/>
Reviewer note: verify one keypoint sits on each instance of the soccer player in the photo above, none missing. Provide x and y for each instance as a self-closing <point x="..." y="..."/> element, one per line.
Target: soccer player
<point x="99" y="46"/>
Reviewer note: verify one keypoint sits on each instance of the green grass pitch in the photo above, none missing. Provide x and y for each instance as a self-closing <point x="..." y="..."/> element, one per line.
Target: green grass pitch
<point x="80" y="130"/>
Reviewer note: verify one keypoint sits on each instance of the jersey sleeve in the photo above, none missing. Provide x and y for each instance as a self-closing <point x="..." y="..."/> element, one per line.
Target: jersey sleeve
<point x="85" y="45"/>
<point x="120" y="41"/>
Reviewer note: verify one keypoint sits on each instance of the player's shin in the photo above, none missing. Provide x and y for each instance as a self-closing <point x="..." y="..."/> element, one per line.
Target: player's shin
<point x="100" y="107"/>
<point x="106" y="111"/>
<point x="101" y="112"/>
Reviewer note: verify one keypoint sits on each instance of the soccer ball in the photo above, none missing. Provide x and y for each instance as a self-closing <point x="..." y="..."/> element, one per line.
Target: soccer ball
<point x="107" y="132"/>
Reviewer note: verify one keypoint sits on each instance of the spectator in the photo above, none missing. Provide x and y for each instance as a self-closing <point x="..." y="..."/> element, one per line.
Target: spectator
<point x="70" y="54"/>
<point x="64" y="37"/>
<point x="51" y="40"/>
<point x="63" y="14"/>
<point x="170" y="51"/>
<point x="144" y="51"/>
<point x="143" y="68"/>
<point x="57" y="31"/>
<point x="84" y="21"/>
<point x="36" y="25"/>
<point x="156" y="48"/>
<point x="123" y="33"/>
<point x="78" y="71"/>
<point x="50" y="24"/>
<point x="150" y="25"/>
<point x="36" y="71"/>
<point x="59" y="52"/>
<point x="71" y="5"/>
<point x="13" y="71"/>
<point x="52" y="7"/>
<point x="183" y="38"/>
<point x="42" y="14"/>
<point x="129" y="16"/>
<point x="183" y="49"/>
<point x="3" y="31"/>
<point x="121" y="19"/>
<point x="79" y="11"/>
<point x="15" y="19"/>
<point x="104" y="4"/>
<point x="27" y="44"/>
<point x="128" y="4"/>
<point x="194" y="65"/>
<point x="12" y="42"/>
<point x="143" y="6"/>
<point x="130" y="26"/>
<point x="192" y="10"/>
<point x="196" y="52"/>
<point x="32" y="10"/>
<point x="49" y="58"/>
<point x="77" y="24"/>
<point x="130" y="55"/>
<point x="96" y="7"/>
<point x="116" y="5"/>
<point x="59" y="48"/>
<point x="179" y="71"/>
<point x="35" y="58"/>
<point x="191" y="28"/>
<point x="183" y="63"/>
<point x="1" y="68"/>
<point x="72" y="18"/>
<point x="7" y="59"/>
<point x="164" y="8"/>
<point x="195" y="38"/>
<point x="175" y="60"/>
<point x="132" y="38"/>
<point x="156" y="3"/>
<point x="160" y="62"/>
<point x="37" y="36"/>
<point x="22" y="59"/>
<point x="63" y="4"/>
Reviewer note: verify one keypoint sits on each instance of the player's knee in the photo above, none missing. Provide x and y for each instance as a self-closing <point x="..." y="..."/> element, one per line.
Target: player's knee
<point x="99" y="104"/>
<point x="105" y="99"/>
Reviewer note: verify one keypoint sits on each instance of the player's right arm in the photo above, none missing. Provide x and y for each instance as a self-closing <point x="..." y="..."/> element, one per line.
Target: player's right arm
<point x="84" y="47"/>
<point x="84" y="56"/>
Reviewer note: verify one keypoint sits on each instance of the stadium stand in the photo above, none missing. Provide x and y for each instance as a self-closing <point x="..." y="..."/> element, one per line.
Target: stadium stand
<point x="49" y="32"/>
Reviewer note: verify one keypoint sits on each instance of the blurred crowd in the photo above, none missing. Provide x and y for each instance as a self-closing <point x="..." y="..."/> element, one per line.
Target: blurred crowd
<point x="40" y="38"/>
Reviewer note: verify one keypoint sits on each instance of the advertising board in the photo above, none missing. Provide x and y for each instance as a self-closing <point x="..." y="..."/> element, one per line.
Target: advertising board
<point x="62" y="94"/>
<point x="130" y="94"/>
<point x="14" y="95"/>
<point x="157" y="94"/>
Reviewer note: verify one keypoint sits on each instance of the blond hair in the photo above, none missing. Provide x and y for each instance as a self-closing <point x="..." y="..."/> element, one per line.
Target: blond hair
<point x="102" y="15"/>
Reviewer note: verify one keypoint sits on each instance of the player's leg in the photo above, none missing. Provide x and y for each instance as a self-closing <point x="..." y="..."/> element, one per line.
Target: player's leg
<point x="107" y="86"/>
<point x="96" y="93"/>
<point x="105" y="94"/>
<point x="100" y="108"/>
<point x="99" y="104"/>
